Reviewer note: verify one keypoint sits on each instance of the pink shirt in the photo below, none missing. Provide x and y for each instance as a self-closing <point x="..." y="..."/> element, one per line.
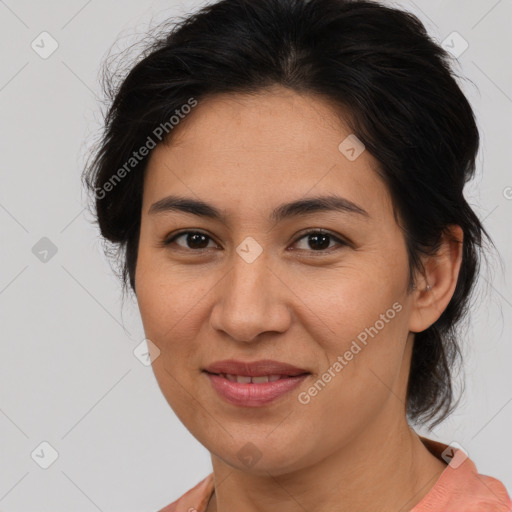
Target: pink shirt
<point x="460" y="488"/>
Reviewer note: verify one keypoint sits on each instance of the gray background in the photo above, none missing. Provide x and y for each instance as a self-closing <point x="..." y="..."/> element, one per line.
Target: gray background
<point x="68" y="374"/>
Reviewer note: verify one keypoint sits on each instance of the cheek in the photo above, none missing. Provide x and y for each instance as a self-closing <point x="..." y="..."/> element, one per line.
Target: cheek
<point x="351" y="303"/>
<point x="360" y="324"/>
<point x="166" y="298"/>
<point x="172" y="311"/>
<point x="357" y="383"/>
<point x="363" y="346"/>
<point x="167" y="312"/>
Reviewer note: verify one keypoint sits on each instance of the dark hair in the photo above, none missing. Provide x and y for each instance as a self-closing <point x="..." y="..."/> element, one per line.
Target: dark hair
<point x="395" y="89"/>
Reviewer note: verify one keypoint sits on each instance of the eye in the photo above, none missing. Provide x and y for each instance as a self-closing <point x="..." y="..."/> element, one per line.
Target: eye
<point x="318" y="240"/>
<point x="193" y="240"/>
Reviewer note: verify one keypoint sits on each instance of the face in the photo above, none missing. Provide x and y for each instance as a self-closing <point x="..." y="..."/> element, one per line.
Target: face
<point x="324" y="290"/>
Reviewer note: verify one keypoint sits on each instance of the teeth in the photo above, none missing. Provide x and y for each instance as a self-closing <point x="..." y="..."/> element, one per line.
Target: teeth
<point x="245" y="379"/>
<point x="262" y="378"/>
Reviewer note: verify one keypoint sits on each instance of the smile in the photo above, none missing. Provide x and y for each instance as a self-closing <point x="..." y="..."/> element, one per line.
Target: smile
<point x="246" y="391"/>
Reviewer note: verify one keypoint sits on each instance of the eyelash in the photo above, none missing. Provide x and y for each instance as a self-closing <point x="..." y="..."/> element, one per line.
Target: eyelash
<point x="168" y="241"/>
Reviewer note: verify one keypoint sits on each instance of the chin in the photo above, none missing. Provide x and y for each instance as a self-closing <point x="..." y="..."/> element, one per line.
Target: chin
<point x="260" y="454"/>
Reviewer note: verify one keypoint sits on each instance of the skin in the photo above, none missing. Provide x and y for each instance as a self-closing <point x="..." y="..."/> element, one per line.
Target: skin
<point x="350" y="448"/>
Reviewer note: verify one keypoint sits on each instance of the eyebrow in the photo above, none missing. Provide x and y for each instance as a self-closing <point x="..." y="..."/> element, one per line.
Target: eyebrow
<point x="284" y="211"/>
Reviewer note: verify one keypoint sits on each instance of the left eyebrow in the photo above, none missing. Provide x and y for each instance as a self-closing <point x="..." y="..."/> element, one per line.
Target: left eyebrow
<point x="284" y="211"/>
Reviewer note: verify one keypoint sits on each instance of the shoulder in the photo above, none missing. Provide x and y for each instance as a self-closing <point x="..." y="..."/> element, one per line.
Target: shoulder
<point x="461" y="488"/>
<point x="195" y="499"/>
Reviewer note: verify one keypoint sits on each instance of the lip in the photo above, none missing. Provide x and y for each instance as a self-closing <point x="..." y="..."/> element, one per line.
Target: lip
<point x="255" y="368"/>
<point x="254" y="394"/>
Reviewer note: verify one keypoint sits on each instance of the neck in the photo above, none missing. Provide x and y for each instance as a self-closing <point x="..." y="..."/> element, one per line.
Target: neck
<point x="373" y="472"/>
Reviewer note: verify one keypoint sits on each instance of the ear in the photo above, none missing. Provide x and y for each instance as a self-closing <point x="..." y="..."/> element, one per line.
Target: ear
<point x="434" y="289"/>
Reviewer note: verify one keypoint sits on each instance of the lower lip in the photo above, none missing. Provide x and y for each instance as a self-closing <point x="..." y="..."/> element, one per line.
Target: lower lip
<point x="253" y="395"/>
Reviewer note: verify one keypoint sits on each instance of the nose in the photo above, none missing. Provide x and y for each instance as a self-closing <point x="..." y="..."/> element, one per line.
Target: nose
<point x="251" y="300"/>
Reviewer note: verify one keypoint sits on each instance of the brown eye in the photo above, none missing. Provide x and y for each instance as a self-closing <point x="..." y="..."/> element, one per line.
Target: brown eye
<point x="193" y="240"/>
<point x="319" y="241"/>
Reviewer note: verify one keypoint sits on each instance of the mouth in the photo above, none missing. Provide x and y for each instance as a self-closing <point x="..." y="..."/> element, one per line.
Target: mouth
<point x="254" y="384"/>
<point x="261" y="368"/>
<point x="247" y="379"/>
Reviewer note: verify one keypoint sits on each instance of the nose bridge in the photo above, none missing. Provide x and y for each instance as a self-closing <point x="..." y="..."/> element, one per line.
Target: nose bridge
<point x="251" y="301"/>
<point x="249" y="283"/>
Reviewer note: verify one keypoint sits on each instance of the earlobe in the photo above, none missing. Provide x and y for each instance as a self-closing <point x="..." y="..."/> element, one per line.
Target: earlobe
<point x="434" y="289"/>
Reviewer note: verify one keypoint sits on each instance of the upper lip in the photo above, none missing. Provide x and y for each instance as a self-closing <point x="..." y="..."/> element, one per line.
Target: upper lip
<point x="254" y="368"/>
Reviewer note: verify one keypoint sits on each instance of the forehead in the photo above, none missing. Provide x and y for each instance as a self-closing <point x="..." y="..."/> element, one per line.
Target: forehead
<point x="276" y="119"/>
<point x="255" y="150"/>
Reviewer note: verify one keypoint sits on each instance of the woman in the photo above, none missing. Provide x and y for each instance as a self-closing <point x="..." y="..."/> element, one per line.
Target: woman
<point x="284" y="179"/>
